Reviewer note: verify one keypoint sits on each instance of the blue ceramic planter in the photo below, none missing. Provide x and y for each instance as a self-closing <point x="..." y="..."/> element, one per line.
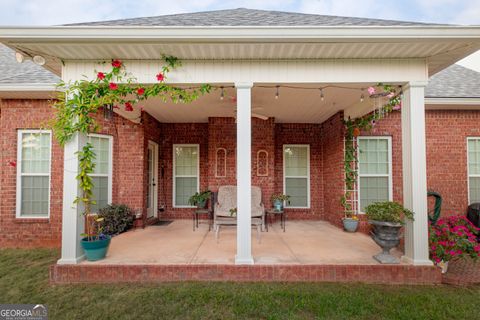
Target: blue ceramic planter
<point x="350" y="225"/>
<point x="96" y="250"/>
<point x="278" y="205"/>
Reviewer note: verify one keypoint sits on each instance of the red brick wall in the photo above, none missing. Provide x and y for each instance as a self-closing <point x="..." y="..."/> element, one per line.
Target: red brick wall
<point x="180" y="133"/>
<point x="333" y="173"/>
<point x="298" y="133"/>
<point x="127" y="180"/>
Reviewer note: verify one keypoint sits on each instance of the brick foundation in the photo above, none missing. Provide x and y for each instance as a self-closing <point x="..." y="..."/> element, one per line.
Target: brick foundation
<point x="382" y="274"/>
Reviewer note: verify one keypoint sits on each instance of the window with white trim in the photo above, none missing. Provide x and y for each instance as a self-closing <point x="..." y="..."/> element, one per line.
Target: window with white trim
<point x="374" y="170"/>
<point x="33" y="173"/>
<point x="185" y="173"/>
<point x="473" y="149"/>
<point x="296" y="175"/>
<point x="102" y="173"/>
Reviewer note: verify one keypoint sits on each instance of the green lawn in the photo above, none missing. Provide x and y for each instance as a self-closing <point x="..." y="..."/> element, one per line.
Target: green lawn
<point x="24" y="279"/>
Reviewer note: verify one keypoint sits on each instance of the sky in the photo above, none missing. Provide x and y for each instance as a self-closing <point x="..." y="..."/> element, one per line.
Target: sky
<point x="55" y="12"/>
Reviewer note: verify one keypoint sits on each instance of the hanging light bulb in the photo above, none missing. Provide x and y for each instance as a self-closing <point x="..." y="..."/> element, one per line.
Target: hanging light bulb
<point x="362" y="97"/>
<point x="277" y="94"/>
<point x="222" y="94"/>
<point x="322" y="96"/>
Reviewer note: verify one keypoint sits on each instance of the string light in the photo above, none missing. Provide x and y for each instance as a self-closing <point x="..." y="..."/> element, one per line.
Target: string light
<point x="322" y="96"/>
<point x="222" y="94"/>
<point x="362" y="98"/>
<point x="277" y="94"/>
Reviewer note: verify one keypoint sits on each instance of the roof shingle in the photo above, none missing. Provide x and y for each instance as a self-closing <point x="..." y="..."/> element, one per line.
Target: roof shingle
<point x="248" y="17"/>
<point x="12" y="72"/>
<point x="454" y="82"/>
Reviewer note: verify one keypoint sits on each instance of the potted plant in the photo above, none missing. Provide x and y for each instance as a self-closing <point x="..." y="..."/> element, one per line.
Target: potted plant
<point x="200" y="199"/>
<point x="387" y="218"/>
<point x="279" y="200"/>
<point x="95" y="243"/>
<point x="451" y="239"/>
<point x="350" y="222"/>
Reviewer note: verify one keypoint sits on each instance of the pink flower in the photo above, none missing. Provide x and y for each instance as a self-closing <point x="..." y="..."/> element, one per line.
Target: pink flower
<point x="391" y="95"/>
<point x="101" y="75"/>
<point x="113" y="86"/>
<point x="477" y="248"/>
<point x="128" y="106"/>
<point x="160" y="77"/>
<point x="397" y="107"/>
<point x="140" y="91"/>
<point x="371" y="90"/>
<point x="12" y="163"/>
<point x="116" y="63"/>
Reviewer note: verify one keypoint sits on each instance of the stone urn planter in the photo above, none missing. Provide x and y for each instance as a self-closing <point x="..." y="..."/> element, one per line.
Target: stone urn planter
<point x="387" y="236"/>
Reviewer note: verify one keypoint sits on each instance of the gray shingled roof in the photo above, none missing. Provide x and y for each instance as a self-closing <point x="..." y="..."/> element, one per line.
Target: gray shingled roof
<point x="12" y="72"/>
<point x="454" y="82"/>
<point x="248" y="17"/>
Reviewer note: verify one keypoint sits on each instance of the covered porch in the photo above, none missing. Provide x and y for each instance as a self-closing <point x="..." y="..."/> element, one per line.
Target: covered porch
<point x="303" y="243"/>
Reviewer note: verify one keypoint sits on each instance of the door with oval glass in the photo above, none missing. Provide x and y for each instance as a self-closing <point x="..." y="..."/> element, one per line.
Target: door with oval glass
<point x="152" y="192"/>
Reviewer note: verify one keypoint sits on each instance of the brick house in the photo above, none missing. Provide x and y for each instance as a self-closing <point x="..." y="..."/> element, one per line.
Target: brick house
<point x="297" y="90"/>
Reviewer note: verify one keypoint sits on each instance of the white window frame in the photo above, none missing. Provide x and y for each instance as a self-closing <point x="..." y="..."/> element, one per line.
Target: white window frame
<point x="388" y="175"/>
<point x="468" y="169"/>
<point x="308" y="174"/>
<point x="109" y="175"/>
<point x="174" y="176"/>
<point x="20" y="174"/>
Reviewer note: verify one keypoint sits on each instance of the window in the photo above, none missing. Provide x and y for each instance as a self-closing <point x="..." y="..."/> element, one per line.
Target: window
<point x="374" y="170"/>
<point x="473" y="158"/>
<point x="185" y="173"/>
<point x="296" y="174"/>
<point x="102" y="174"/>
<point x="33" y="173"/>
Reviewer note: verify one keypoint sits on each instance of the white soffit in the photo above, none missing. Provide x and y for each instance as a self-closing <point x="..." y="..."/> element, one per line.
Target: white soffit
<point x="440" y="45"/>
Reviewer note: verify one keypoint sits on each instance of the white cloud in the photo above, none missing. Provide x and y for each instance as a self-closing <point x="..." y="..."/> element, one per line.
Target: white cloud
<point x="51" y="12"/>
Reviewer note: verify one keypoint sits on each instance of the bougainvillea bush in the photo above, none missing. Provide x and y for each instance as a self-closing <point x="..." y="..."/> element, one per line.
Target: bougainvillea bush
<point x="453" y="237"/>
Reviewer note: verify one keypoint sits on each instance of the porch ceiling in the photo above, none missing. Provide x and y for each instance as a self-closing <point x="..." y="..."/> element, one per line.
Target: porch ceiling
<point x="440" y="45"/>
<point x="295" y="104"/>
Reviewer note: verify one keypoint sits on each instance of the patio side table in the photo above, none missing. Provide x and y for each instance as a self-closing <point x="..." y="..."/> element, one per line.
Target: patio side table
<point x="198" y="212"/>
<point x="275" y="213"/>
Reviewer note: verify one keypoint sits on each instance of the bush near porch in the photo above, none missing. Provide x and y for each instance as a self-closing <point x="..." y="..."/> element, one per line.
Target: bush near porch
<point x="24" y="279"/>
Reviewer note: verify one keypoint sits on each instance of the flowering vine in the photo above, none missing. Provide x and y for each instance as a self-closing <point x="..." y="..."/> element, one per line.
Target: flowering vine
<point x="79" y="101"/>
<point x="353" y="128"/>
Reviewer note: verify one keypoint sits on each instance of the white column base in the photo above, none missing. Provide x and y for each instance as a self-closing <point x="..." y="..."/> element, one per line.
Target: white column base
<point x="241" y="260"/>
<point x="71" y="261"/>
<point x="418" y="262"/>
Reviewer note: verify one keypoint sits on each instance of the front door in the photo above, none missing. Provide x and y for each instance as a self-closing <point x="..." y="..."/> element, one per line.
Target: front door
<point x="152" y="192"/>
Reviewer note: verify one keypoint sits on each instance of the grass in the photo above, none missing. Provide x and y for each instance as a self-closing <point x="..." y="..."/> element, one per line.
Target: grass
<point x="24" y="279"/>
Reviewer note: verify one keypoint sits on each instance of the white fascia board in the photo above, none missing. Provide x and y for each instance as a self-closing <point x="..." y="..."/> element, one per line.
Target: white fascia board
<point x="29" y="87"/>
<point x="453" y="101"/>
<point x="253" y="33"/>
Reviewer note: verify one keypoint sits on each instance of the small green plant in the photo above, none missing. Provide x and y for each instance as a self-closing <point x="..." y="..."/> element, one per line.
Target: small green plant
<point x="388" y="211"/>
<point x="233" y="212"/>
<point x="93" y="228"/>
<point x="199" y="199"/>
<point x="280" y="197"/>
<point x="117" y="218"/>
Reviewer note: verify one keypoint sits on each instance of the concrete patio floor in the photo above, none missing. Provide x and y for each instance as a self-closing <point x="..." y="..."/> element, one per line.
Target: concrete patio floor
<point x="304" y="242"/>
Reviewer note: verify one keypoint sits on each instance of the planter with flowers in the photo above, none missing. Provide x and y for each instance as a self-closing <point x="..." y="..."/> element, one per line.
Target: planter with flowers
<point x="279" y="201"/>
<point x="95" y="243"/>
<point x="453" y="238"/>
<point x="387" y="219"/>
<point x="350" y="223"/>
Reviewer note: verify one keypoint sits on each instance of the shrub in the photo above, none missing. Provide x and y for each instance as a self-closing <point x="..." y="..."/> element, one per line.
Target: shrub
<point x="388" y="211"/>
<point x="117" y="218"/>
<point x="453" y="237"/>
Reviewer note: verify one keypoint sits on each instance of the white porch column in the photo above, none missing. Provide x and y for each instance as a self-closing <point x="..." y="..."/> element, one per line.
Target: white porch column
<point x="415" y="173"/>
<point x="244" y="173"/>
<point x="72" y="218"/>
